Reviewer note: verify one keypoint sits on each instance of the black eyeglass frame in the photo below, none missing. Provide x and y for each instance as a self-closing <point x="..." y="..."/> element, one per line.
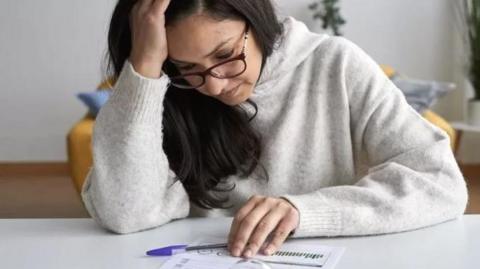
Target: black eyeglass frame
<point x="242" y="57"/>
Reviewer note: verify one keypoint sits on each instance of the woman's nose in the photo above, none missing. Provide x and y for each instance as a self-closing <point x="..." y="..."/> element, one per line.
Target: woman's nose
<point x="214" y="86"/>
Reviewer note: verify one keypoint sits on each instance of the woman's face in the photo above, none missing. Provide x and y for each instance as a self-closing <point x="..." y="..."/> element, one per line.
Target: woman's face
<point x="198" y="42"/>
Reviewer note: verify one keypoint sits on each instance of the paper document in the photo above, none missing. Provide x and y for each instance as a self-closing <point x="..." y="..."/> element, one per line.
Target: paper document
<point x="290" y="255"/>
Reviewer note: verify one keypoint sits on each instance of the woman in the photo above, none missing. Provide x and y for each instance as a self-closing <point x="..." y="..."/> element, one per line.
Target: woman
<point x="291" y="132"/>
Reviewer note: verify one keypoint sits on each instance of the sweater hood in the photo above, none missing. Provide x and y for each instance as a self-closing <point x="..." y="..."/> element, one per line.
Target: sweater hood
<point x="292" y="48"/>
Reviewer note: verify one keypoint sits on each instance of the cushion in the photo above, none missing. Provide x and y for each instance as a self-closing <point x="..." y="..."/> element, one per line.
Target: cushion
<point x="94" y="100"/>
<point x="422" y="94"/>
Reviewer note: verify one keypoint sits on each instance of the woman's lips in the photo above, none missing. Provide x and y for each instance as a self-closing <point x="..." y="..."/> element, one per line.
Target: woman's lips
<point x="232" y="91"/>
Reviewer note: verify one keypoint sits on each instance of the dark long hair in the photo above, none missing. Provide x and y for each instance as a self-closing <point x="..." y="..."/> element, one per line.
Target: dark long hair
<point x="204" y="139"/>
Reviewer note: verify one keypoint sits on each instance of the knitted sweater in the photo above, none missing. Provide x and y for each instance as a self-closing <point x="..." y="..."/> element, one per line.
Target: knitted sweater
<point x="339" y="142"/>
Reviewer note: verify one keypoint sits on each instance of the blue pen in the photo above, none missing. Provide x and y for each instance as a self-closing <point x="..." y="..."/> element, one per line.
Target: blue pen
<point x="175" y="249"/>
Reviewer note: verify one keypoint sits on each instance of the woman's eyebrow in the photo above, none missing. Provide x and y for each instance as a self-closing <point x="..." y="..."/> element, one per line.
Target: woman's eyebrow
<point x="218" y="47"/>
<point x="206" y="56"/>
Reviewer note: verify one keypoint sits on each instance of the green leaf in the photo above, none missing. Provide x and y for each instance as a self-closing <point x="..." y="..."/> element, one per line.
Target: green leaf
<point x="328" y="12"/>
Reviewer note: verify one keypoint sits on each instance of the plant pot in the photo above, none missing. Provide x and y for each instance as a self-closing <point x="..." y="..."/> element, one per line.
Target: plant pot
<point x="474" y="112"/>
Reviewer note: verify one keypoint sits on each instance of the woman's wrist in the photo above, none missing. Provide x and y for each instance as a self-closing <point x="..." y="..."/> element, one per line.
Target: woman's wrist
<point x="147" y="69"/>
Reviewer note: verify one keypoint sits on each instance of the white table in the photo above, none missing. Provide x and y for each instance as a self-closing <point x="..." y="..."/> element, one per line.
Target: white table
<point x="80" y="243"/>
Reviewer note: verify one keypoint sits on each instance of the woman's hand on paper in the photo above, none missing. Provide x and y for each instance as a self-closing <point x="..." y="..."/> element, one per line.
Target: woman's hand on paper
<point x="262" y="223"/>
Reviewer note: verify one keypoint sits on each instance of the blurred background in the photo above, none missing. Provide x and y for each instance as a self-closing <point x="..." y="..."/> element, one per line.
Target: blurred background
<point x="52" y="50"/>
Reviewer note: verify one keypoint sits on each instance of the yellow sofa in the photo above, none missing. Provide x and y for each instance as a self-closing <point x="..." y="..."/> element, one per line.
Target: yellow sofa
<point x="79" y="145"/>
<point x="79" y="139"/>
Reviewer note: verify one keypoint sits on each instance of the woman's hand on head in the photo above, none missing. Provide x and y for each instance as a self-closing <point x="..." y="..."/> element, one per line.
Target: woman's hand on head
<point x="149" y="41"/>
<point x="262" y="223"/>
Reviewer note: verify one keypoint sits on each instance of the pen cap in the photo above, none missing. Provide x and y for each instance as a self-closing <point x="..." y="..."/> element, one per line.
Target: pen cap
<point x="167" y="251"/>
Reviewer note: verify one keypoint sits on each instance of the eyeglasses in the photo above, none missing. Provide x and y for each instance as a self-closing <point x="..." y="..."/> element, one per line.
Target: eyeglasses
<point x="224" y="70"/>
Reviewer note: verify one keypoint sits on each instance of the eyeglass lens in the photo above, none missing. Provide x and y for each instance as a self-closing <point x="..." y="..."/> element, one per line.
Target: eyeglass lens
<point x="227" y="70"/>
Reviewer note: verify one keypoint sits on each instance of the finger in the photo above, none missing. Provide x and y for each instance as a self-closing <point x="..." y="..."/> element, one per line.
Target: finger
<point x="144" y="6"/>
<point x="280" y="234"/>
<point x="239" y="216"/>
<point x="237" y="220"/>
<point x="248" y="224"/>
<point x="138" y="7"/>
<point x="160" y="6"/>
<point x="264" y="229"/>
<point x="135" y="12"/>
<point x="132" y="16"/>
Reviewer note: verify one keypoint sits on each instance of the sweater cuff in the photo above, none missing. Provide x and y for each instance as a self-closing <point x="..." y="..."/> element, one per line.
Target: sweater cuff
<point x="315" y="219"/>
<point x="141" y="98"/>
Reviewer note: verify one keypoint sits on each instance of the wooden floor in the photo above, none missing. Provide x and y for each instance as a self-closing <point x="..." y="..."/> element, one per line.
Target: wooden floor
<point x="39" y="197"/>
<point x="27" y="196"/>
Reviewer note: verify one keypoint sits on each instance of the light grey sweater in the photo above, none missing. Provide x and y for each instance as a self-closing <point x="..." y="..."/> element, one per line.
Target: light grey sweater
<point x="339" y="142"/>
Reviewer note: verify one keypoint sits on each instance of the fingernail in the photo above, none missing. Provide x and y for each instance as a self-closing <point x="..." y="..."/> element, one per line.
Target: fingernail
<point x="236" y="252"/>
<point x="268" y="251"/>
<point x="247" y="253"/>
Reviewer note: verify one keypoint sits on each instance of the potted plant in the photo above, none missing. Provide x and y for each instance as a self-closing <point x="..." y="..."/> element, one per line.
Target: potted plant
<point x="328" y="12"/>
<point x="471" y="16"/>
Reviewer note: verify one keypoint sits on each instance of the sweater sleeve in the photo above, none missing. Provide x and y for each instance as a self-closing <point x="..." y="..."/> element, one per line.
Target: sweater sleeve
<point x="130" y="187"/>
<point x="413" y="179"/>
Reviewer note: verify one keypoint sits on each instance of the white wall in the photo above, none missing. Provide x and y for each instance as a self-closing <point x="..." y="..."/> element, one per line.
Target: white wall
<point x="49" y="51"/>
<point x="52" y="49"/>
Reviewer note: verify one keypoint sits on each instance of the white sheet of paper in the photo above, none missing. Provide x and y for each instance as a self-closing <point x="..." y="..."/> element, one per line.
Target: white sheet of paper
<point x="196" y="261"/>
<point x="290" y="255"/>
